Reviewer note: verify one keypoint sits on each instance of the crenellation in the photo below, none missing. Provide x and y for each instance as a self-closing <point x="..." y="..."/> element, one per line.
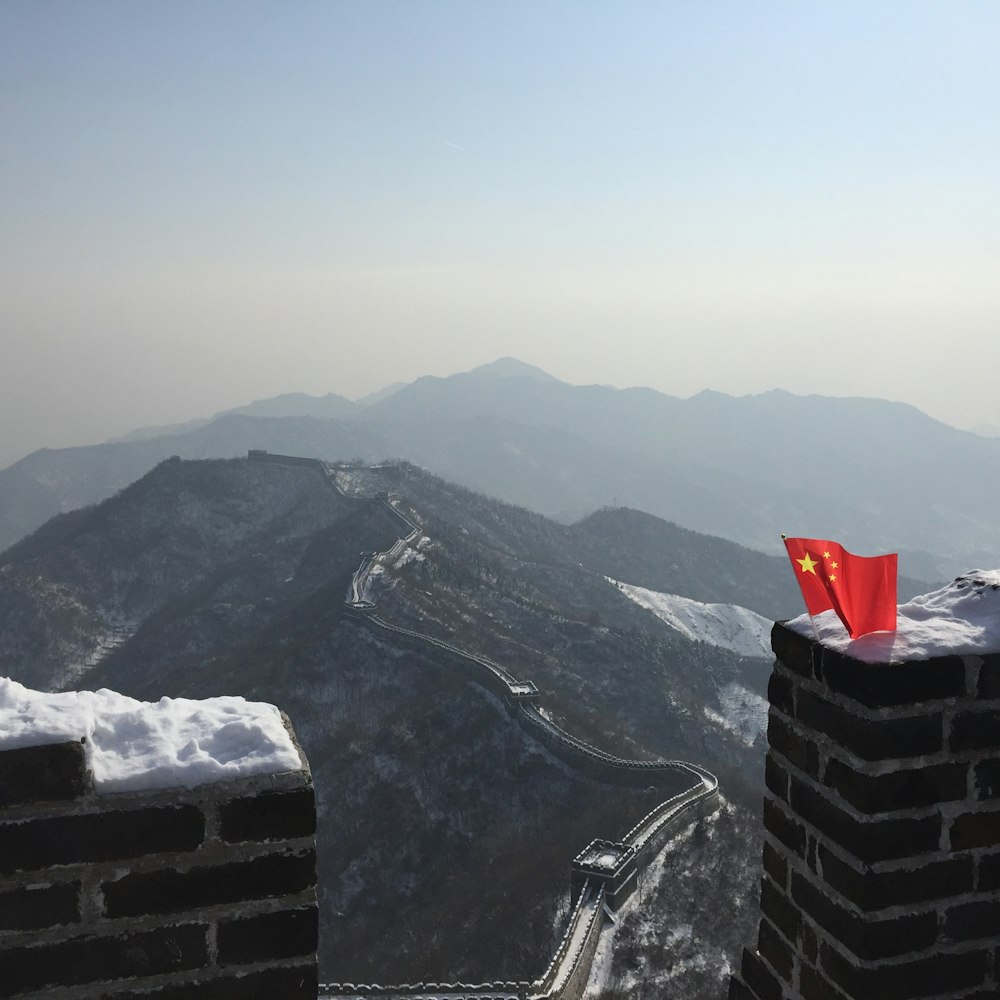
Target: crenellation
<point x="123" y="894"/>
<point x="882" y="843"/>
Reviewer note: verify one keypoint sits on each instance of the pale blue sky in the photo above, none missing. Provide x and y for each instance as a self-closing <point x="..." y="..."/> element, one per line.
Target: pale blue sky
<point x="207" y="202"/>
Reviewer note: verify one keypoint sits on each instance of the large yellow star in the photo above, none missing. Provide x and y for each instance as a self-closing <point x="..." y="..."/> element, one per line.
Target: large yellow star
<point x="808" y="564"/>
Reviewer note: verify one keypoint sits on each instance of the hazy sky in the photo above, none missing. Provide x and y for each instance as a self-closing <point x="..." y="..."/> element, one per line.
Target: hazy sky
<point x="203" y="203"/>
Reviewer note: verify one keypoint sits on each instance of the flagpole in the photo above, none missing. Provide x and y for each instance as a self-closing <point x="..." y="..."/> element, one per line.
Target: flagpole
<point x="812" y="621"/>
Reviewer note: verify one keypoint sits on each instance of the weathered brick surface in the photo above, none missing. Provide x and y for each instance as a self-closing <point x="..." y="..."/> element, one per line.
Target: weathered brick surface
<point x="989" y="677"/>
<point x="867" y="938"/>
<point x="169" y="891"/>
<point x="107" y="836"/>
<point x="880" y="685"/>
<point x="776" y="777"/>
<point x="286" y="934"/>
<point x="776" y="950"/>
<point x="269" y="816"/>
<point x="869" y="890"/>
<point x="869" y="841"/>
<point x="799" y="751"/>
<point x="975" y="830"/>
<point x="975" y="731"/>
<point x="780" y="693"/>
<point x="775" y="865"/>
<point x="987" y="779"/>
<point x="942" y="973"/>
<point x="815" y="986"/>
<point x="56" y="772"/>
<point x="872" y="739"/>
<point x="36" y="907"/>
<point x="973" y="921"/>
<point x="790" y="832"/>
<point x="779" y="909"/>
<point x="759" y="978"/>
<point x="294" y="983"/>
<point x="909" y="788"/>
<point x="107" y="957"/>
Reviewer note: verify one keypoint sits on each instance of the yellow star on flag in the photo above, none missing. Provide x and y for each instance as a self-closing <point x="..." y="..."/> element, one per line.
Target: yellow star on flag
<point x="808" y="564"/>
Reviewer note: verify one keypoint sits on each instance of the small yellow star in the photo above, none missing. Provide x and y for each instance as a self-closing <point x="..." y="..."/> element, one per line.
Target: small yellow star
<point x="833" y="578"/>
<point x="826" y="555"/>
<point x="808" y="564"/>
<point x="833" y="565"/>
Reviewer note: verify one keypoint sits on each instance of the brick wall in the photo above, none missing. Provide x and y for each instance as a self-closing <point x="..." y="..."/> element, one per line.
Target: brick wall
<point x="882" y="818"/>
<point x="184" y="894"/>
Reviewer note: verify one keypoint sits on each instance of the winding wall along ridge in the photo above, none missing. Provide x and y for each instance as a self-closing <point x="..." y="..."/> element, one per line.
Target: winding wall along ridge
<point x="566" y="975"/>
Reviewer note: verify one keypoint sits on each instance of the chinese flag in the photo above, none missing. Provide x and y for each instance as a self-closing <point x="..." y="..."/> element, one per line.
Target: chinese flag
<point x="861" y="589"/>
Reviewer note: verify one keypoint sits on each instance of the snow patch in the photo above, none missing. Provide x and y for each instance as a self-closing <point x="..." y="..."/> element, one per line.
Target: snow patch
<point x="132" y="745"/>
<point x="961" y="618"/>
<point x="726" y="625"/>
<point x="743" y="712"/>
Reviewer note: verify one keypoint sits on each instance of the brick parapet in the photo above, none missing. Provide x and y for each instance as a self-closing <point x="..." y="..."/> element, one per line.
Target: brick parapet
<point x="882" y="829"/>
<point x="207" y="892"/>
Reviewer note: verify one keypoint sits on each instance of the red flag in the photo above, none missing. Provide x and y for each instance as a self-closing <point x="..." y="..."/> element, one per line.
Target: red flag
<point x="861" y="589"/>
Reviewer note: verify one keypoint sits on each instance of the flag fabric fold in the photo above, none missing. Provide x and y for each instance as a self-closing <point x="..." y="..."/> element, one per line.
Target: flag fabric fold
<point x="861" y="589"/>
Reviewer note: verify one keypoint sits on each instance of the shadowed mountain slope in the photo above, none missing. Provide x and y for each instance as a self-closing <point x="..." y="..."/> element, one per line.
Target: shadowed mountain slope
<point x="229" y="577"/>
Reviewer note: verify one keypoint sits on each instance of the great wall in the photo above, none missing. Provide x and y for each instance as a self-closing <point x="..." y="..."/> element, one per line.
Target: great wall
<point x="605" y="873"/>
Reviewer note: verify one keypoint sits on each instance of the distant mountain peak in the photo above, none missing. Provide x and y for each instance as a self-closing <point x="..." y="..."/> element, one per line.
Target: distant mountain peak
<point x="512" y="368"/>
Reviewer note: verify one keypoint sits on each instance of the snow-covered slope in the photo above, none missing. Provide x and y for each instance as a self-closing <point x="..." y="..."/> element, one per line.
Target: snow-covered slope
<point x="726" y="625"/>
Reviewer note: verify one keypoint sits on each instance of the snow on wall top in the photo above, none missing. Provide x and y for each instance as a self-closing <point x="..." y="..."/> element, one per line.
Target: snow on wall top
<point x="132" y="745"/>
<point x="960" y="618"/>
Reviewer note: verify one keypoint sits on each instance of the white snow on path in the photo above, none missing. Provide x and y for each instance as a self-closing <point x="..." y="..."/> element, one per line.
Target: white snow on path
<point x="726" y="625"/>
<point x="132" y="745"/>
<point x="961" y="618"/>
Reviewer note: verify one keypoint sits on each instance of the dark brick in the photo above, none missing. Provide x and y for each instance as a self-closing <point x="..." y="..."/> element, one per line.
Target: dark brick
<point x="975" y="830"/>
<point x="989" y="874"/>
<point x="759" y="978"/>
<point x="975" y="731"/>
<point x="969" y="921"/>
<point x="906" y="980"/>
<point x="877" y="890"/>
<point x="775" y="866"/>
<point x="56" y="772"/>
<point x="776" y="777"/>
<point x="791" y="833"/>
<point x="269" y="816"/>
<point x="775" y="950"/>
<point x="989" y="677"/>
<point x="794" y="748"/>
<point x="871" y="840"/>
<point x="810" y="945"/>
<point x="297" y="983"/>
<point x="96" y="959"/>
<point x="286" y="934"/>
<point x="793" y="651"/>
<point x="987" y="778"/>
<point x="881" y="685"/>
<point x="905" y="789"/>
<point x="779" y="910"/>
<point x="31" y="909"/>
<point x="881" y="739"/>
<point x="814" y="985"/>
<point x="109" y="836"/>
<point x="780" y="693"/>
<point x="167" y="891"/>
<point x="866" y="937"/>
